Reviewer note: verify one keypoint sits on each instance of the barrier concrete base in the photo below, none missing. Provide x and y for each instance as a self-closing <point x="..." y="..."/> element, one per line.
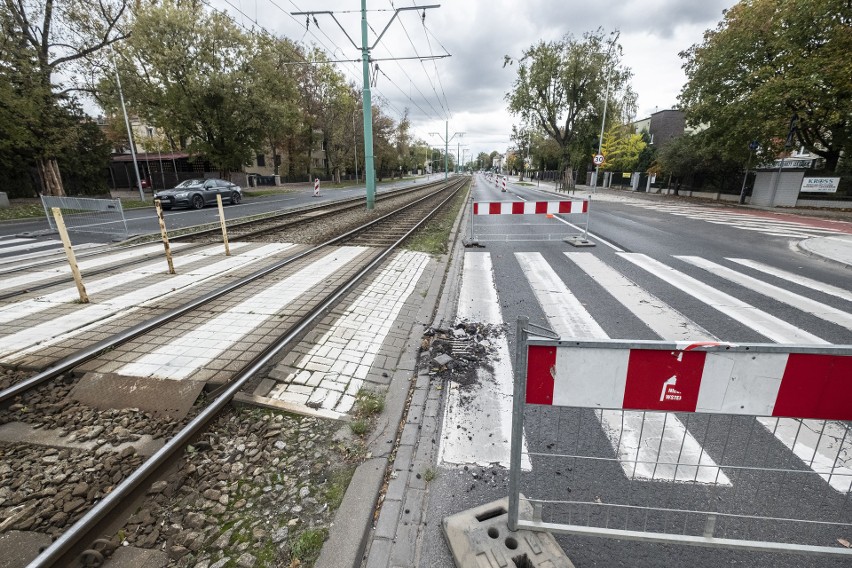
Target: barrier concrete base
<point x="578" y="242"/>
<point x="481" y="537"/>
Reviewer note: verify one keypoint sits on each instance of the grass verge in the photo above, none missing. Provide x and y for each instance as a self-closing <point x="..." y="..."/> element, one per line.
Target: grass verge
<point x="434" y="237"/>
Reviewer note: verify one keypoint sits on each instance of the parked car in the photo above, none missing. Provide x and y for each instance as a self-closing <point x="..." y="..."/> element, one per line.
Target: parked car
<point x="197" y="193"/>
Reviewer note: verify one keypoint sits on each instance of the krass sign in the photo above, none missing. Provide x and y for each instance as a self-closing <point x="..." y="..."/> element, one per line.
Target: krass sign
<point x="820" y="184"/>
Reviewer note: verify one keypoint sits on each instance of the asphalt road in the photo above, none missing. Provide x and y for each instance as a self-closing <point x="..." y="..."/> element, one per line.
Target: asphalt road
<point x="621" y="229"/>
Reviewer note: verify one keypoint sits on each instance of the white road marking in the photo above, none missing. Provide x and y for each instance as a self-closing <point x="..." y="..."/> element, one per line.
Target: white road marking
<point x="32" y="245"/>
<point x="333" y="371"/>
<point x="33" y="306"/>
<point x="795" y="278"/>
<point x="477" y="422"/>
<point x="119" y="256"/>
<point x="15" y="346"/>
<point x="806" y="305"/>
<point x="191" y="351"/>
<point x="652" y="446"/>
<point x="765" y="324"/>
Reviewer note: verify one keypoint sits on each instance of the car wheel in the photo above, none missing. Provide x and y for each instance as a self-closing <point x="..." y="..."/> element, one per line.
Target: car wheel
<point x="197" y="202"/>
<point x="236" y="198"/>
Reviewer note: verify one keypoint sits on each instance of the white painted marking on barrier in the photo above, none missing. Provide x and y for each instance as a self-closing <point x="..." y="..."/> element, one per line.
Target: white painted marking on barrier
<point x="799" y="302"/>
<point x="15" y="346"/>
<point x="33" y="306"/>
<point x="187" y="353"/>
<point x="648" y="445"/>
<point x="766" y="324"/>
<point x="116" y="257"/>
<point x="478" y="421"/>
<point x="336" y="366"/>
<point x="798" y="279"/>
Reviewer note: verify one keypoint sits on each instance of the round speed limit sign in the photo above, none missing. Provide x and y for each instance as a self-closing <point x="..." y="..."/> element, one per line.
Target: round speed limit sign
<point x="598" y="159"/>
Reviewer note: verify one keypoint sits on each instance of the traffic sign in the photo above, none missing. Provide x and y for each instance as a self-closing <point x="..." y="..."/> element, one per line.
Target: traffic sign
<point x="598" y="159"/>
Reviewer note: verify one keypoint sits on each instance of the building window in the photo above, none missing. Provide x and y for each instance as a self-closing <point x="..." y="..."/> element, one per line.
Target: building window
<point x="261" y="160"/>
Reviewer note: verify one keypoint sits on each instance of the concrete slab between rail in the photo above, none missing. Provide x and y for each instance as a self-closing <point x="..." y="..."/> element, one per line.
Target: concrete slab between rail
<point x="13" y="432"/>
<point x="162" y="397"/>
<point x="19" y="548"/>
<point x="481" y="537"/>
<point x="275" y="404"/>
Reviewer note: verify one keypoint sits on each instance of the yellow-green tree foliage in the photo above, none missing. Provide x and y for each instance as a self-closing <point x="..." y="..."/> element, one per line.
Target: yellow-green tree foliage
<point x="621" y="148"/>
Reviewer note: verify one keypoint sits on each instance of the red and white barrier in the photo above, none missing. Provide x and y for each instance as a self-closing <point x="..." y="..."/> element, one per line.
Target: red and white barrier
<point x="504" y="183"/>
<point x="316" y="187"/>
<point x="530" y="207"/>
<point x="705" y="378"/>
<point x="497" y="182"/>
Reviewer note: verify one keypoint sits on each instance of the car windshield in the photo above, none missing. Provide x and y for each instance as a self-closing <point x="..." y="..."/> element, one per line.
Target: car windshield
<point x="190" y="183"/>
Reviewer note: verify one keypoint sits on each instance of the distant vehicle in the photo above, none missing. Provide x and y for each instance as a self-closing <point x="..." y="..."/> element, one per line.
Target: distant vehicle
<point x="196" y="193"/>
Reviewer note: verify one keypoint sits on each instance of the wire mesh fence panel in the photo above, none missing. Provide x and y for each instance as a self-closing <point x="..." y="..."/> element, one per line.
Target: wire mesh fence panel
<point x="87" y="215"/>
<point x="713" y="472"/>
<point x="514" y="221"/>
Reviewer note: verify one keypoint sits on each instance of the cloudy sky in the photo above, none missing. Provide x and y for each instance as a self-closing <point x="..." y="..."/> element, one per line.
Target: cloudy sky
<point x="468" y="88"/>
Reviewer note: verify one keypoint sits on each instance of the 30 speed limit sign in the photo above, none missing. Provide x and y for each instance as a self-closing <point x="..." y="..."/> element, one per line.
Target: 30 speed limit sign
<point x="598" y="159"/>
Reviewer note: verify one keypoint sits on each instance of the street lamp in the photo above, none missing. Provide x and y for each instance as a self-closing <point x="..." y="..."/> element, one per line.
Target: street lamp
<point x="606" y="101"/>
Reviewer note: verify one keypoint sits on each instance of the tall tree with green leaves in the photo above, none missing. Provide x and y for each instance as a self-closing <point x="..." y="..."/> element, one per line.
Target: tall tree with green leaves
<point x="766" y="61"/>
<point x="45" y="39"/>
<point x="561" y="87"/>
<point x="621" y="149"/>
<point x="192" y="72"/>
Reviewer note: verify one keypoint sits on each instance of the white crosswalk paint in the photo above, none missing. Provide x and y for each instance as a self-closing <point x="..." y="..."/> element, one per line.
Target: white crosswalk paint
<point x="17" y="345"/>
<point x="30" y="278"/>
<point x="478" y="422"/>
<point x="69" y="294"/>
<point x="806" y="305"/>
<point x="795" y="278"/>
<point x="765" y="324"/>
<point x="185" y="354"/>
<point x="654" y="445"/>
<point x="330" y="375"/>
<point x="31" y="246"/>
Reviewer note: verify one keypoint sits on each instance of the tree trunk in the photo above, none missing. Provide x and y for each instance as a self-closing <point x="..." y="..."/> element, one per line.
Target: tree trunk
<point x="51" y="180"/>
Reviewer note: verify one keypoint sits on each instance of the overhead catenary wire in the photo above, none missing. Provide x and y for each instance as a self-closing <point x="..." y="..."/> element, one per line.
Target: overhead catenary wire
<point x="435" y="65"/>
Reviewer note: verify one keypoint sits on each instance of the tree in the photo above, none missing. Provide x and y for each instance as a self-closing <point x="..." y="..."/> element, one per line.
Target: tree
<point x="561" y="86"/>
<point x="48" y="39"/>
<point x="192" y="73"/>
<point x="766" y="61"/>
<point x="621" y="149"/>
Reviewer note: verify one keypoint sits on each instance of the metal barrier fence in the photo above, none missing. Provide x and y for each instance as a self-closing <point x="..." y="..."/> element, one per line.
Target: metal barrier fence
<point x="560" y="208"/>
<point x="87" y="215"/>
<point x="734" y="446"/>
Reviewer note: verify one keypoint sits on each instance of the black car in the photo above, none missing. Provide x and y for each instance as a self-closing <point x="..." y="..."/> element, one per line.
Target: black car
<point x="197" y="193"/>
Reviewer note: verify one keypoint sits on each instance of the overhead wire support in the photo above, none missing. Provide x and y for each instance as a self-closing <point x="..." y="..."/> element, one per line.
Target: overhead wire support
<point x="365" y="48"/>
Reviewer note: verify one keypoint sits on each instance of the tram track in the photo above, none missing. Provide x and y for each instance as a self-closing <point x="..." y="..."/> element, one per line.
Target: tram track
<point x="194" y="238"/>
<point x="369" y="246"/>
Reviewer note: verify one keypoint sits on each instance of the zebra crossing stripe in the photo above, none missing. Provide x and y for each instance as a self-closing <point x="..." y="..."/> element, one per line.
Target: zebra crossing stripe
<point x="477" y="424"/>
<point x="16" y="345"/>
<point x="641" y="440"/>
<point x="795" y="278"/>
<point x="765" y="324"/>
<point x="802" y="303"/>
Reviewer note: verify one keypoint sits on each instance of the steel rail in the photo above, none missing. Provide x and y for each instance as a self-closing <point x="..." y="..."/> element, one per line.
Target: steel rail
<point x="63" y="551"/>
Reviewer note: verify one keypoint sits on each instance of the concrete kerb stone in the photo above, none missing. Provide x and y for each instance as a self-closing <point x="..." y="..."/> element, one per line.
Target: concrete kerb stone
<point x="346" y="544"/>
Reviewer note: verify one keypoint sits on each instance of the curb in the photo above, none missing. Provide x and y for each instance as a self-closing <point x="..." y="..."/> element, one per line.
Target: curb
<point x="351" y="529"/>
<point x="805" y="247"/>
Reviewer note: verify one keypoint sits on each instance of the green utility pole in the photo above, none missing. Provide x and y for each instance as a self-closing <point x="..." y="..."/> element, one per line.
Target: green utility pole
<point x="365" y="48"/>
<point x="369" y="170"/>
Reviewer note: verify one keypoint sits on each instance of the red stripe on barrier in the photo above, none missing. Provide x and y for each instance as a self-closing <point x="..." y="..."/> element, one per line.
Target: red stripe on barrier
<point x="816" y="386"/>
<point x="585" y="207"/>
<point x="494" y="208"/>
<point x="565" y="206"/>
<point x="541" y="368"/>
<point x="518" y="208"/>
<point x="475" y="208"/>
<point x="541" y="207"/>
<point x="663" y="380"/>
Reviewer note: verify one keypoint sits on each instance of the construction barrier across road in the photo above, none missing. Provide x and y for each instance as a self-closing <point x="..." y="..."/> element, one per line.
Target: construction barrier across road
<point x="517" y="232"/>
<point x="705" y="444"/>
